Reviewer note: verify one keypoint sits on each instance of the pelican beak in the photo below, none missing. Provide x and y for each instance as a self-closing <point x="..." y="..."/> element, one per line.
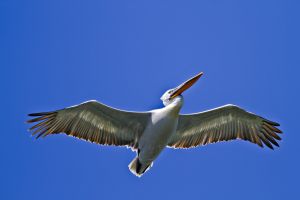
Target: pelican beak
<point x="186" y="85"/>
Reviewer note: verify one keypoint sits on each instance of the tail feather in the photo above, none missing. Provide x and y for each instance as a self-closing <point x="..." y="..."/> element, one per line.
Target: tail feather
<point x="137" y="168"/>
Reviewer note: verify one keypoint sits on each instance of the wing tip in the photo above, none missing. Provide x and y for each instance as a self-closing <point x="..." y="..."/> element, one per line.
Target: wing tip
<point x="39" y="114"/>
<point x="271" y="122"/>
<point x="43" y="121"/>
<point x="269" y="134"/>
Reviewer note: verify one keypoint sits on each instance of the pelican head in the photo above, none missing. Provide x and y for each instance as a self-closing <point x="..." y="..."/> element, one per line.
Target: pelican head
<point x="170" y="95"/>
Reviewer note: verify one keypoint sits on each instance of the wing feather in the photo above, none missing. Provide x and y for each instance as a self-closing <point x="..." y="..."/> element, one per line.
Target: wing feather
<point x="222" y="124"/>
<point x="94" y="122"/>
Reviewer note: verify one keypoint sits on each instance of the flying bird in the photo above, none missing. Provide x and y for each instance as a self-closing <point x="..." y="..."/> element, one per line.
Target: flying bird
<point x="148" y="133"/>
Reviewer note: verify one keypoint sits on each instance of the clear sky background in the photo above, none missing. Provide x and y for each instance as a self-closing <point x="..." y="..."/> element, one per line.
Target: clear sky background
<point x="58" y="53"/>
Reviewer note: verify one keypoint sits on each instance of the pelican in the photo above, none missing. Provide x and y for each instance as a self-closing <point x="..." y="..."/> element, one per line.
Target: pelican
<point x="148" y="133"/>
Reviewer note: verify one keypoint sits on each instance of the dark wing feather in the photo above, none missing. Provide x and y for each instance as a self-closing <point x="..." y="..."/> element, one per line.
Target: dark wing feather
<point x="93" y="122"/>
<point x="222" y="124"/>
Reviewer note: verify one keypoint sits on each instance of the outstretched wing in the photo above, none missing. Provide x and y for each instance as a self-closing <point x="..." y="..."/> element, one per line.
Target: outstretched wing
<point x="222" y="124"/>
<point x="94" y="122"/>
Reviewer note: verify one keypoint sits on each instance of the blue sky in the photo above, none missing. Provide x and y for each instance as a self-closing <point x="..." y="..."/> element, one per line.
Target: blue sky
<point x="58" y="53"/>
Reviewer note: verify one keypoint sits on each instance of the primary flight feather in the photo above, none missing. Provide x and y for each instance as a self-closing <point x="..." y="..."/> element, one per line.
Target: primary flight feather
<point x="149" y="133"/>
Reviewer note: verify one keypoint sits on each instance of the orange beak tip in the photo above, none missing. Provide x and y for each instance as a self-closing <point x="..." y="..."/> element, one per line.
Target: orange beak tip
<point x="186" y="85"/>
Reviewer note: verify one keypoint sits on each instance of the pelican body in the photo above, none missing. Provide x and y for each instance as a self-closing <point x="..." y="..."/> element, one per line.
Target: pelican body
<point x="148" y="133"/>
<point x="160" y="128"/>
